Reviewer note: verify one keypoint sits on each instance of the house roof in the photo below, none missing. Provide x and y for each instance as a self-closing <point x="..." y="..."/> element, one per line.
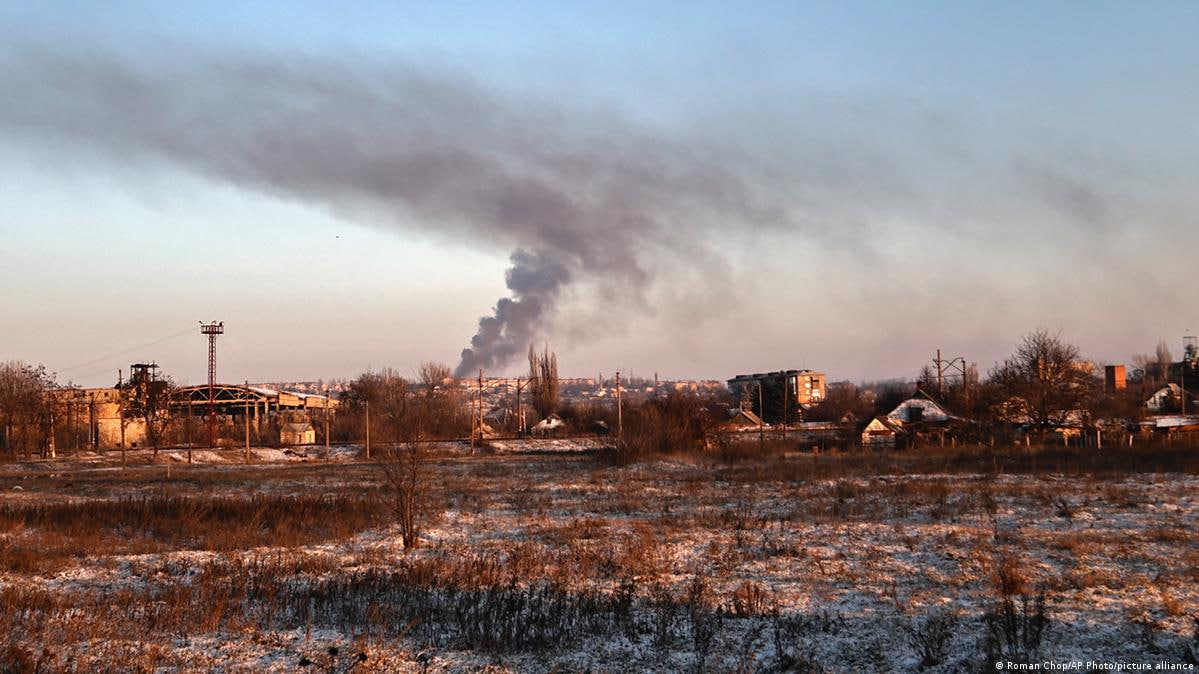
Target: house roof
<point x="744" y="417"/>
<point x="921" y="399"/>
<point x="885" y="423"/>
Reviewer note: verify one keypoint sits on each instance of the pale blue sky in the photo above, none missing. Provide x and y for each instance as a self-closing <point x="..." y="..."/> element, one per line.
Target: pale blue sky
<point x="929" y="175"/>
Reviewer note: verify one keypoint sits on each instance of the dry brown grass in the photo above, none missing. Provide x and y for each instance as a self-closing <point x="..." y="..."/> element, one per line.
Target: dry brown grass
<point x="46" y="536"/>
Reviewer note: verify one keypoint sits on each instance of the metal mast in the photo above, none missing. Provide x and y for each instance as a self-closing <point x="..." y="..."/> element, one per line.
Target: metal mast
<point x="212" y="330"/>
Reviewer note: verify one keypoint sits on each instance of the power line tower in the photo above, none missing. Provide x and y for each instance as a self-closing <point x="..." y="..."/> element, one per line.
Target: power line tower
<point x="211" y="330"/>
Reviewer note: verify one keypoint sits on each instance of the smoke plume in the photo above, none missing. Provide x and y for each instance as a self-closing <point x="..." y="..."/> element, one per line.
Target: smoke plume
<point x="893" y="194"/>
<point x="534" y="280"/>
<point x="580" y="198"/>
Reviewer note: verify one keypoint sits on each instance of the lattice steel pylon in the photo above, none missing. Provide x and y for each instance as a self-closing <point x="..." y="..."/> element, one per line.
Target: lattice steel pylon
<point x="212" y="330"/>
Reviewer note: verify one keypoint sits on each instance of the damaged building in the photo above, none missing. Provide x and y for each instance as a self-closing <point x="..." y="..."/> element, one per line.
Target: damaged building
<point x="778" y="397"/>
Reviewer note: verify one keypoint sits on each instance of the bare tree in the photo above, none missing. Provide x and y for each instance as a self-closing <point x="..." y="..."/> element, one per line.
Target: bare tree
<point x="406" y="490"/>
<point x="433" y="377"/>
<point x="1156" y="367"/>
<point x="1163" y="358"/>
<point x="147" y="398"/>
<point x="1045" y="380"/>
<point x="543" y="381"/>
<point x="24" y="409"/>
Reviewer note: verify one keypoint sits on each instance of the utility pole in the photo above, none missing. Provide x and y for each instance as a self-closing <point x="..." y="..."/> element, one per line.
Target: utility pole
<point x="121" y="414"/>
<point x="957" y="364"/>
<point x="190" y="419"/>
<point x="520" y="415"/>
<point x="328" y="451"/>
<point x="247" y="415"/>
<point x="940" y="377"/>
<point x="368" y="430"/>
<point x="786" y="385"/>
<point x="619" y="414"/>
<point x="480" y="412"/>
<point x="761" y="421"/>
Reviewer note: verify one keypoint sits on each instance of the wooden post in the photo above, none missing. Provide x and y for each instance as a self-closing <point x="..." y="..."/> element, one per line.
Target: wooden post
<point x="480" y="408"/>
<point x="328" y="450"/>
<point x="368" y="430"/>
<point x="619" y="412"/>
<point x="190" y="420"/>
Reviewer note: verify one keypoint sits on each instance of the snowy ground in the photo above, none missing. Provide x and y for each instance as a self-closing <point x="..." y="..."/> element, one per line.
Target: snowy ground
<point x="536" y="562"/>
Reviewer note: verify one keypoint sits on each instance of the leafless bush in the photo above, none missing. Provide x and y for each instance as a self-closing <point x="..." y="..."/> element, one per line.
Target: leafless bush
<point x="794" y="639"/>
<point x="1190" y="649"/>
<point x="749" y="599"/>
<point x="677" y="423"/>
<point x="407" y="493"/>
<point x="930" y="638"/>
<point x="705" y="621"/>
<point x="1015" y="628"/>
<point x="1017" y="622"/>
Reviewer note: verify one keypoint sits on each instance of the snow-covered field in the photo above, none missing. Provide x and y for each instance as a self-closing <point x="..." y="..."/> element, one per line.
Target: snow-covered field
<point x="542" y="562"/>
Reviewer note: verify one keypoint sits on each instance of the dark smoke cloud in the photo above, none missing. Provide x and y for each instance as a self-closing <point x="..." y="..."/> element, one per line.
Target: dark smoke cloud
<point x="535" y="280"/>
<point x="986" y="209"/>
<point x="580" y="197"/>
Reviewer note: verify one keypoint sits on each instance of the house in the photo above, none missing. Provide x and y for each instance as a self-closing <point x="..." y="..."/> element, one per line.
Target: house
<point x="297" y="434"/>
<point x="1166" y="399"/>
<point x="881" y="432"/>
<point x="742" y="420"/>
<point x="551" y="425"/>
<point x="915" y="417"/>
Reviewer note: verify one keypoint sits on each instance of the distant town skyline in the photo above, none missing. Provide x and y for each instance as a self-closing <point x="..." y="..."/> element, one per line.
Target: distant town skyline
<point x="696" y="189"/>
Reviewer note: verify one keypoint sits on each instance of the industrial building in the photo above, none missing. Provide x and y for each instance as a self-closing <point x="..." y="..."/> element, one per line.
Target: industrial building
<point x="109" y="417"/>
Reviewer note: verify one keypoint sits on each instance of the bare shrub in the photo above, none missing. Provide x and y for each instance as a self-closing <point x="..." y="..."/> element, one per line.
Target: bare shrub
<point x="794" y="639"/>
<point x="1015" y="628"/>
<point x="406" y="492"/>
<point x="749" y="599"/>
<point x="930" y="638"/>
<point x="705" y="622"/>
<point x="1017" y="622"/>
<point x="679" y="422"/>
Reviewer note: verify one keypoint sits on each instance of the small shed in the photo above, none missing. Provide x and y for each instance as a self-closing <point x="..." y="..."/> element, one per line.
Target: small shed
<point x="297" y="434"/>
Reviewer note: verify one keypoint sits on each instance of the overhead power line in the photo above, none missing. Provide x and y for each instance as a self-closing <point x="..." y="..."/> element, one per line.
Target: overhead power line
<point x="130" y="349"/>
